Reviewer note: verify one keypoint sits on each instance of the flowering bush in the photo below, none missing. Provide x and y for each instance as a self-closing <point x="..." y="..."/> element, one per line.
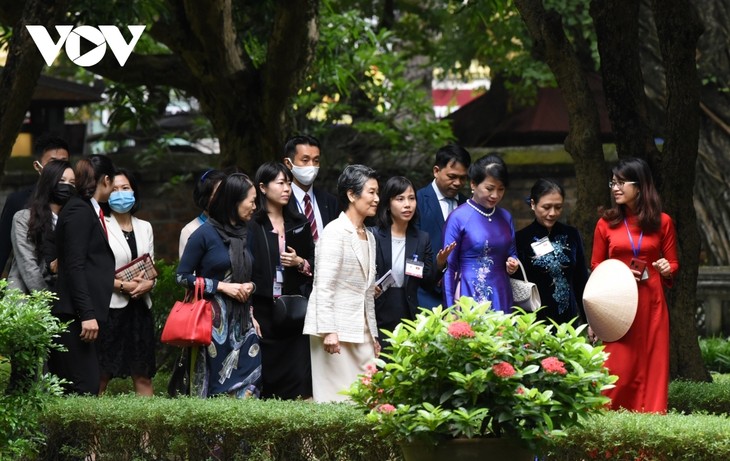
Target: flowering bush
<point x="468" y="371"/>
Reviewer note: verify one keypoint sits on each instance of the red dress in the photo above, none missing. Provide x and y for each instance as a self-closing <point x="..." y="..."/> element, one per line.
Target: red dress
<point x="641" y="358"/>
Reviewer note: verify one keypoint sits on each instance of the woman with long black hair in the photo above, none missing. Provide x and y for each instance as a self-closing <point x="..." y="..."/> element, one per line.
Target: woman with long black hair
<point x="85" y="275"/>
<point x="34" y="265"/>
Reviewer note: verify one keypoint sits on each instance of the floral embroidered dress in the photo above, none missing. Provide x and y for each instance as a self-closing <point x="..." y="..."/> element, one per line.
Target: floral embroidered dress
<point x="560" y="275"/>
<point x="484" y="238"/>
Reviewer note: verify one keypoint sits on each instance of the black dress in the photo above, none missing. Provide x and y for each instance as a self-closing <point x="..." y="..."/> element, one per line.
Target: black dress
<point x="286" y="365"/>
<point x="560" y="275"/>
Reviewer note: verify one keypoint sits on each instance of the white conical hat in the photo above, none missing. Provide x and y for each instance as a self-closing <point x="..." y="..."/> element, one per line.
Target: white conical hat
<point x="610" y="299"/>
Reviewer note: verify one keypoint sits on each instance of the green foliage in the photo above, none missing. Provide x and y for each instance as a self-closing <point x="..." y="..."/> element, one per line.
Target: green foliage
<point x="694" y="397"/>
<point x="641" y="436"/>
<point x="360" y="79"/>
<point x="27" y="329"/>
<point x="189" y="429"/>
<point x="164" y="295"/>
<point x="716" y="354"/>
<point x="468" y="371"/>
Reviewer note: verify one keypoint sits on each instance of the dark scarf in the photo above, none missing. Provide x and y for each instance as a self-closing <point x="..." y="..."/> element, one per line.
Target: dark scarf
<point x="234" y="237"/>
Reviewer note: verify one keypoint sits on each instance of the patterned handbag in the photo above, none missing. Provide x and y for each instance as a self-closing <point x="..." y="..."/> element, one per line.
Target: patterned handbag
<point x="142" y="264"/>
<point x="524" y="292"/>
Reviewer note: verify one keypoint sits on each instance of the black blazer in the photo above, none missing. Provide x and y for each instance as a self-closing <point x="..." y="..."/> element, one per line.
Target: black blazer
<point x="85" y="263"/>
<point x="326" y="202"/>
<point x="299" y="237"/>
<point x="389" y="305"/>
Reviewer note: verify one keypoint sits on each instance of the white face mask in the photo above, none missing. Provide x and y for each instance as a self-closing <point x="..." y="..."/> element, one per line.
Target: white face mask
<point x="304" y="174"/>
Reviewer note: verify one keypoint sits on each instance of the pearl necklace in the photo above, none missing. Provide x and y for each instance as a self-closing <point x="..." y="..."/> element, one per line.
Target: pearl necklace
<point x="486" y="215"/>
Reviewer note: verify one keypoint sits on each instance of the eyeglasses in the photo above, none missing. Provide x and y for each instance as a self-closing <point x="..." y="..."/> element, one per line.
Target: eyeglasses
<point x="620" y="184"/>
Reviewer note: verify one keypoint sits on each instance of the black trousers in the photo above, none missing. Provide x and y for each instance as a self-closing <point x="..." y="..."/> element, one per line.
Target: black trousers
<point x="79" y="363"/>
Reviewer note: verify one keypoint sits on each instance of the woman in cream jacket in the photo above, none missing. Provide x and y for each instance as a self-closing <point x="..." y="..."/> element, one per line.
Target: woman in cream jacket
<point x="341" y="312"/>
<point x="127" y="339"/>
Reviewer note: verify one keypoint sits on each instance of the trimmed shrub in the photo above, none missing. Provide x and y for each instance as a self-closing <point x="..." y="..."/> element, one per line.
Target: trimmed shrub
<point x="187" y="429"/>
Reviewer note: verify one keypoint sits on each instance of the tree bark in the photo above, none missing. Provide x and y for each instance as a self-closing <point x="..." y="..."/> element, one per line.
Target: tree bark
<point x="583" y="142"/>
<point x="22" y="69"/>
<point x="617" y="30"/>
<point x="678" y="29"/>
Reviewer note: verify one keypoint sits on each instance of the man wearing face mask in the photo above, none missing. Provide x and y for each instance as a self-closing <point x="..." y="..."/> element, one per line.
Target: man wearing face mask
<point x="301" y="156"/>
<point x="46" y="148"/>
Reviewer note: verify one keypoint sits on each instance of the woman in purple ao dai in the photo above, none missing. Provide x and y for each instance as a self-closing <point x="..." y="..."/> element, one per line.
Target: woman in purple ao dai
<point x="485" y="253"/>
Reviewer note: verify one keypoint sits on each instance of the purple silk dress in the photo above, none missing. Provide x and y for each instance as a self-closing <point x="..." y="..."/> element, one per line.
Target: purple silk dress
<point x="483" y="245"/>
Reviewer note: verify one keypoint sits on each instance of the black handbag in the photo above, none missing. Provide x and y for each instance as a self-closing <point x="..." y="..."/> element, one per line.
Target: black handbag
<point x="289" y="309"/>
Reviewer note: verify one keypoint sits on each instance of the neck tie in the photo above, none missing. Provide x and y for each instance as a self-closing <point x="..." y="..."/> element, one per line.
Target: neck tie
<point x="309" y="213"/>
<point x="103" y="223"/>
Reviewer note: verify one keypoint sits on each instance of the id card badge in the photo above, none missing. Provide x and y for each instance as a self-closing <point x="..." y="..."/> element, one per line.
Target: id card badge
<point x="414" y="267"/>
<point x="278" y="281"/>
<point x="542" y="247"/>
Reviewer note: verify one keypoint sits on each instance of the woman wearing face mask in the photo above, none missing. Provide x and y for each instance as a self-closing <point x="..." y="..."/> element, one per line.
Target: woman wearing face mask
<point x="85" y="275"/>
<point x="485" y="253"/>
<point x="127" y="339"/>
<point x="552" y="255"/>
<point x="282" y="246"/>
<point x="34" y="266"/>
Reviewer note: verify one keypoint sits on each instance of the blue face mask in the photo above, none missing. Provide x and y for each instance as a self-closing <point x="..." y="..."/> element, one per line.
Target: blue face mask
<point x="121" y="201"/>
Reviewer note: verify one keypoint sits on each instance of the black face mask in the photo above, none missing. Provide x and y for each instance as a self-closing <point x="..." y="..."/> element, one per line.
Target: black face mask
<point x="62" y="192"/>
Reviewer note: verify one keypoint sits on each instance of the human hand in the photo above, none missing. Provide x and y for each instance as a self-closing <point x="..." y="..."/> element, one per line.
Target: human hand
<point x="256" y="325"/>
<point x="376" y="347"/>
<point x="443" y="255"/>
<point x="289" y="258"/>
<point x="54" y="266"/>
<point x="592" y="335"/>
<point x="378" y="291"/>
<point x="512" y="265"/>
<point x="332" y="343"/>
<point x="142" y="286"/>
<point x="238" y="291"/>
<point x="89" y="330"/>
<point x="662" y="266"/>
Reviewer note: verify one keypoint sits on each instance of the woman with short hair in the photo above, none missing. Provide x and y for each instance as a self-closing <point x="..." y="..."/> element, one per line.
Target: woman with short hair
<point x="341" y="312"/>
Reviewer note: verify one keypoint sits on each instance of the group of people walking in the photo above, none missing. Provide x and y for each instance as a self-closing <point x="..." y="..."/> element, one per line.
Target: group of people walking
<point x="365" y="259"/>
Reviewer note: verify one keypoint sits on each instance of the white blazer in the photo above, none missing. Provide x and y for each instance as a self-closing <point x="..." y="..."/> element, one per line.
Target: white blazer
<point x="343" y="290"/>
<point x="123" y="255"/>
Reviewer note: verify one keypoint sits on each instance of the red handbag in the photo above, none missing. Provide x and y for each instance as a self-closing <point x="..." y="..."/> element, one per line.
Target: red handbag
<point x="190" y="322"/>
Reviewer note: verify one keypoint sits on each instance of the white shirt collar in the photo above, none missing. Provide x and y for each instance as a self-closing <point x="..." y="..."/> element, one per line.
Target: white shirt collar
<point x="299" y="193"/>
<point x="439" y="195"/>
<point x="96" y="206"/>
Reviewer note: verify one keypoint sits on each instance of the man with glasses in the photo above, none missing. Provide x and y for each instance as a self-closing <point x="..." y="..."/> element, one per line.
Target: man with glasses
<point x="47" y="148"/>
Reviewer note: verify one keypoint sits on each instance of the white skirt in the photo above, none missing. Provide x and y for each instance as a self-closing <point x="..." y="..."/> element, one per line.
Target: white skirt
<point x="334" y="373"/>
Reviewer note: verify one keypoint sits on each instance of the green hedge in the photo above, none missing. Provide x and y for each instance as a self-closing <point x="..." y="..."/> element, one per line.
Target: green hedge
<point x="639" y="436"/>
<point x="716" y="354"/>
<point x="187" y="429"/>
<point x="133" y="428"/>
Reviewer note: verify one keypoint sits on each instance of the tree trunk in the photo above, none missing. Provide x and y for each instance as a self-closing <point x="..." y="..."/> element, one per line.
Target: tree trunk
<point x="617" y="31"/>
<point x="583" y="141"/>
<point x="22" y="70"/>
<point x="678" y="29"/>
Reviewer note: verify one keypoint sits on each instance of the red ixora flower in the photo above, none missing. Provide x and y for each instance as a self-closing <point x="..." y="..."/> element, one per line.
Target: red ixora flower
<point x="503" y="370"/>
<point x="553" y="365"/>
<point x="461" y="329"/>
<point x="386" y="408"/>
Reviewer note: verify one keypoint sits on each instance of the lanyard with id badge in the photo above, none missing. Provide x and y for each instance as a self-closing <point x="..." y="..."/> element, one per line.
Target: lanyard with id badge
<point x="636" y="264"/>
<point x="414" y="267"/>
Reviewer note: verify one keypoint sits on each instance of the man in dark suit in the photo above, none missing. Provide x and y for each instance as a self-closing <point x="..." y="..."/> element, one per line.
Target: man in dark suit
<point x="47" y="148"/>
<point x="301" y="156"/>
<point x="437" y="200"/>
